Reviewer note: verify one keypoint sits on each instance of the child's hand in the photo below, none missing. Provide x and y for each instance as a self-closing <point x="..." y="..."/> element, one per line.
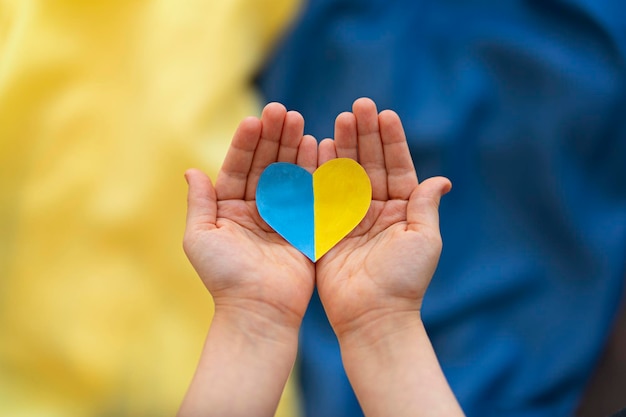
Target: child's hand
<point x="260" y="284"/>
<point x="246" y="266"/>
<point x="372" y="283"/>
<point x="382" y="269"/>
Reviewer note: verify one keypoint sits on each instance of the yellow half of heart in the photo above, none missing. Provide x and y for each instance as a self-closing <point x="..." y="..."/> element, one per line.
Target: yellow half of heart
<point x="342" y="195"/>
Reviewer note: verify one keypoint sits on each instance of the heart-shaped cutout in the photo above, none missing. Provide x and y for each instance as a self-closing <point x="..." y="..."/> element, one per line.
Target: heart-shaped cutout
<point x="314" y="212"/>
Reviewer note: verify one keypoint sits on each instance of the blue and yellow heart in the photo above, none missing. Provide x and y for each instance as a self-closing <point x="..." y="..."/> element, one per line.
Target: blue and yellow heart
<point x="314" y="212"/>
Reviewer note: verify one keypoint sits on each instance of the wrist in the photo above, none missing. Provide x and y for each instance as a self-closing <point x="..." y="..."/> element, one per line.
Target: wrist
<point x="393" y="368"/>
<point x="377" y="325"/>
<point x="243" y="367"/>
<point x="256" y="323"/>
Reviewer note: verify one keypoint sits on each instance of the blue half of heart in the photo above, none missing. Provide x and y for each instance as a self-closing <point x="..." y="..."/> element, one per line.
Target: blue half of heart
<point x="284" y="199"/>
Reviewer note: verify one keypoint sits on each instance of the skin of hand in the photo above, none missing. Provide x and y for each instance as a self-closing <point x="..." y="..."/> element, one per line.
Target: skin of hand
<point x="260" y="284"/>
<point x="385" y="264"/>
<point x="373" y="282"/>
<point x="243" y="262"/>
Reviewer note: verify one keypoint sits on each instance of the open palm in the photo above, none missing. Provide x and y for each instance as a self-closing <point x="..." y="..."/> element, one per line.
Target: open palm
<point x="385" y="265"/>
<point x="243" y="263"/>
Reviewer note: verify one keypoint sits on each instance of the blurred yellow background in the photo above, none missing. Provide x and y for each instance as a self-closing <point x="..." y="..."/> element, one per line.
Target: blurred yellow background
<point x="103" y="105"/>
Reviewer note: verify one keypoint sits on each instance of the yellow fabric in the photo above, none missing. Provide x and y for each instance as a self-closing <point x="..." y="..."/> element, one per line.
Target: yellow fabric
<point x="103" y="105"/>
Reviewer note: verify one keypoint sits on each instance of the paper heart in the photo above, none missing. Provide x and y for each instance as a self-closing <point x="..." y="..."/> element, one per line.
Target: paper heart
<point x="314" y="212"/>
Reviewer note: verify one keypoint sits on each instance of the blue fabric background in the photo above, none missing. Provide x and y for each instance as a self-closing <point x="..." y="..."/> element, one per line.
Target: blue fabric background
<point x="522" y="104"/>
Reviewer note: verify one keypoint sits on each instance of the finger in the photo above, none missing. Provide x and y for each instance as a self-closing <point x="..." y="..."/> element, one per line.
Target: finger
<point x="293" y="130"/>
<point x="201" y="201"/>
<point x="307" y="153"/>
<point x="326" y="152"/>
<point x="401" y="176"/>
<point x="423" y="207"/>
<point x="370" y="147"/>
<point x="233" y="177"/>
<point x="272" y="120"/>
<point x="346" y="136"/>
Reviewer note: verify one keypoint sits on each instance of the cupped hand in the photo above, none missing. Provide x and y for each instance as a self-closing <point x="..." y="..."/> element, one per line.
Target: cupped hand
<point x="383" y="267"/>
<point x="245" y="265"/>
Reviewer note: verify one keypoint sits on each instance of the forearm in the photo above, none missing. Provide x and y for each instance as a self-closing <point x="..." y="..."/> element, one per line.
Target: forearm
<point x="394" y="370"/>
<point x="243" y="367"/>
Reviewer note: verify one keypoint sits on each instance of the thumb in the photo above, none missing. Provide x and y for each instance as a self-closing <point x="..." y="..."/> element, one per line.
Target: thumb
<point x="423" y="207"/>
<point x="201" y="201"/>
